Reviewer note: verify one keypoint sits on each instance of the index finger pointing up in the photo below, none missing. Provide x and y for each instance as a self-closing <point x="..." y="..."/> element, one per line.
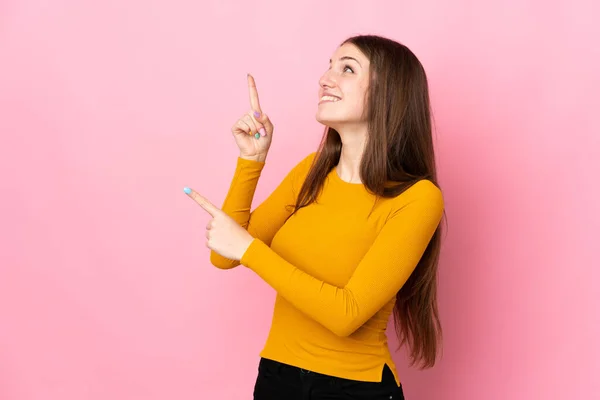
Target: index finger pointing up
<point x="254" y="104"/>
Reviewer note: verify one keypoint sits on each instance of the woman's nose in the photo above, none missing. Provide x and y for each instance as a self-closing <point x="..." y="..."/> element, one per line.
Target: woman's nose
<point x="326" y="80"/>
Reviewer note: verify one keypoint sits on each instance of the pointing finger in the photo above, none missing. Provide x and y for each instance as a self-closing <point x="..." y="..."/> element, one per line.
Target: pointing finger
<point x="254" y="104"/>
<point x="202" y="201"/>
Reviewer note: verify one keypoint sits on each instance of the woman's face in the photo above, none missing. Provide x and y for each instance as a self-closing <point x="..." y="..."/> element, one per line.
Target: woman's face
<point x="343" y="89"/>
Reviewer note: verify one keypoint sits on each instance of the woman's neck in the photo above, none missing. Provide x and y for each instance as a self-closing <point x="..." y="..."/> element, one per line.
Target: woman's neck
<point x="348" y="168"/>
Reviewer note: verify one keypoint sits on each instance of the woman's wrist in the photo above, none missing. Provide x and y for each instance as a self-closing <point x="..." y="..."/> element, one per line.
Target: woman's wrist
<point x="258" y="158"/>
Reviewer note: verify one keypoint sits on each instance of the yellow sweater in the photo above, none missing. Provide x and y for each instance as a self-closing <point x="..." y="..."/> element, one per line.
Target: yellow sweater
<point x="336" y="270"/>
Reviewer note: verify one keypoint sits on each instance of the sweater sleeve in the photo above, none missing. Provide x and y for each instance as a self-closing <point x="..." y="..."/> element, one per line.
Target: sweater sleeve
<point x="377" y="278"/>
<point x="264" y="222"/>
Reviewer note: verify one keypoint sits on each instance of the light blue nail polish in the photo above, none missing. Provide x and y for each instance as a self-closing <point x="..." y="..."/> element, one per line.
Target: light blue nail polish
<point x="187" y="190"/>
<point x="257" y="135"/>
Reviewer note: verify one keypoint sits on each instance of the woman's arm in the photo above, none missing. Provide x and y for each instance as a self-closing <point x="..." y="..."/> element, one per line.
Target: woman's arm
<point x="264" y="222"/>
<point x="378" y="277"/>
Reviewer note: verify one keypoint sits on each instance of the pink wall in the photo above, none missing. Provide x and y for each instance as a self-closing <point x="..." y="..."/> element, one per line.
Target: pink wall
<point x="107" y="110"/>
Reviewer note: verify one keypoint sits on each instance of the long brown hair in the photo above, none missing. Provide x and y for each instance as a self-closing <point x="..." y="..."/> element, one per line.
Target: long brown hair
<point x="399" y="149"/>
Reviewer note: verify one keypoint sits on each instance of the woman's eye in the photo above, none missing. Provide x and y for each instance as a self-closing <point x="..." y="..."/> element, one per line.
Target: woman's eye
<point x="347" y="67"/>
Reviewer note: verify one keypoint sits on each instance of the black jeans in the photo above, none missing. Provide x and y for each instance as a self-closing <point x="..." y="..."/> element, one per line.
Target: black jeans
<point x="277" y="381"/>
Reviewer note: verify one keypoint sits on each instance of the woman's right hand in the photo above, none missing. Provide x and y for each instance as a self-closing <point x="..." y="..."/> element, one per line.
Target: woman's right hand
<point x="253" y="146"/>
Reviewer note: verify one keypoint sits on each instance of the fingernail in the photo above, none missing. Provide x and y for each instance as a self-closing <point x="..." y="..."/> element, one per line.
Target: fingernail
<point x="187" y="190"/>
<point x="263" y="132"/>
<point x="256" y="114"/>
<point x="257" y="135"/>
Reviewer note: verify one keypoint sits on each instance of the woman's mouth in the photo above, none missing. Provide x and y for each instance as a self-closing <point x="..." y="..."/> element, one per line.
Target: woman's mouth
<point x="329" y="99"/>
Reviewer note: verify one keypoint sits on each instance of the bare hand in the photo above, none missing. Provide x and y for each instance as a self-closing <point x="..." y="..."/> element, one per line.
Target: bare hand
<point x="253" y="132"/>
<point x="223" y="234"/>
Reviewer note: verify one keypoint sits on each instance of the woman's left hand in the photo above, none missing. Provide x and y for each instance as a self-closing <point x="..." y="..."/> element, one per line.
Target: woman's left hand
<point x="223" y="234"/>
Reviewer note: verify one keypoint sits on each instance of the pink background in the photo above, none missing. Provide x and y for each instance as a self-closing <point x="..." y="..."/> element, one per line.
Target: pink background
<point x="108" y="109"/>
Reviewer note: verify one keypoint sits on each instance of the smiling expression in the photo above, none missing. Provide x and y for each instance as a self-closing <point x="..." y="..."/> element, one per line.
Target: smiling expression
<point x="343" y="88"/>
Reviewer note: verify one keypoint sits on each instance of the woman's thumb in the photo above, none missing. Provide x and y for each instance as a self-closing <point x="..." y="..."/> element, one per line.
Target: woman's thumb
<point x="260" y="117"/>
<point x="264" y="120"/>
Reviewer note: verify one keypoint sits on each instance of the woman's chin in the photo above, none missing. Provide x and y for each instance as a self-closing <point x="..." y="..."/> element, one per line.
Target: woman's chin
<point x="326" y="120"/>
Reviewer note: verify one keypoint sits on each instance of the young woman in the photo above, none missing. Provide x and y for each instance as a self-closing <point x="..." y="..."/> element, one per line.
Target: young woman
<point x="350" y="235"/>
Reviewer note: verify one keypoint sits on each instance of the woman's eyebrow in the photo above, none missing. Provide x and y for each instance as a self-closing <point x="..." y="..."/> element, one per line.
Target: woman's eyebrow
<point x="347" y="58"/>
